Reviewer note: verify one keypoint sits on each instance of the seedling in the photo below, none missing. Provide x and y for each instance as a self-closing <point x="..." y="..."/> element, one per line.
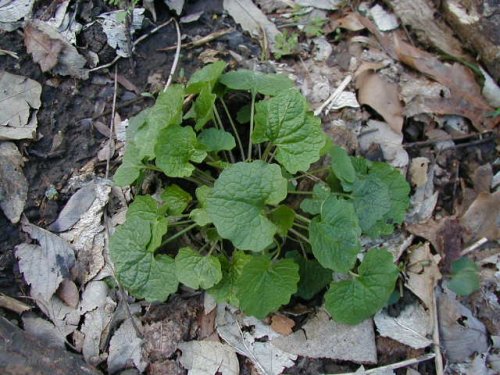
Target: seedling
<point x="230" y="189"/>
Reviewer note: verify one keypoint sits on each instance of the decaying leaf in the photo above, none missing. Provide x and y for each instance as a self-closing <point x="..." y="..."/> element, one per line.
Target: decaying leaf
<point x="267" y="358"/>
<point x="391" y="142"/>
<point x="209" y="358"/>
<point x="17" y="95"/>
<point x="12" y="12"/>
<point x="87" y="235"/>
<point x="251" y="19"/>
<point x="412" y="327"/>
<point x="423" y="273"/>
<point x="52" y="51"/>
<point x="125" y="349"/>
<point x="44" y="266"/>
<point x="175" y="5"/>
<point x="282" y="324"/>
<point x="96" y="321"/>
<point x="13" y="184"/>
<point x="65" y="318"/>
<point x="322" y="337"/>
<point x="482" y="218"/>
<point x="461" y="333"/>
<point x="44" y="330"/>
<point x="384" y="20"/>
<point x="418" y="171"/>
<point x="424" y="200"/>
<point x="383" y="97"/>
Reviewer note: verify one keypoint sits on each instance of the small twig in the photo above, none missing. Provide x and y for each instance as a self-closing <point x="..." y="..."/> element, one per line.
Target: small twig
<point x="334" y="96"/>
<point x="395" y="366"/>
<point x="458" y="138"/>
<point x="136" y="42"/>
<point x="9" y="53"/>
<point x="476" y="245"/>
<point x="199" y="42"/>
<point x="176" y="57"/>
<point x="435" y="336"/>
<point x="112" y="124"/>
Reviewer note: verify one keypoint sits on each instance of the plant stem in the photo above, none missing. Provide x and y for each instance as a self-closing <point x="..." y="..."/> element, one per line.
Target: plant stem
<point x="214" y="245"/>
<point x="153" y="167"/>
<point x="267" y="151"/>
<point x="302" y="218"/>
<point x="175" y="223"/>
<point x="221" y="125"/>
<point x="298" y="192"/>
<point x="194" y="180"/>
<point x="252" y="109"/>
<point x="299" y="235"/>
<point x="310" y="173"/>
<point x="235" y="131"/>
<point x="205" y="174"/>
<point x="181" y="216"/>
<point x="271" y="158"/>
<point x="300" y="226"/>
<point x="178" y="234"/>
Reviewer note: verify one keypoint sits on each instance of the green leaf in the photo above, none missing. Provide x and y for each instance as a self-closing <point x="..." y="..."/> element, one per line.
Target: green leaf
<point x="205" y="77"/>
<point x="200" y="215"/>
<point x="335" y="238"/>
<point x="216" y="140"/>
<point x="464" y="277"/>
<point x="352" y="301"/>
<point x="342" y="167"/>
<point x="176" y="199"/>
<point x="204" y="107"/>
<point x="283" y="217"/>
<point x="159" y="228"/>
<point x="197" y="271"/>
<point x="175" y="148"/>
<point x="144" y="207"/>
<point x="298" y="136"/>
<point x="321" y="192"/>
<point x="264" y="286"/>
<point x="238" y="200"/>
<point x="226" y="289"/>
<point x="256" y="82"/>
<point x="167" y="111"/>
<point x="381" y="197"/>
<point x="137" y="268"/>
<point x="313" y="277"/>
<point x="131" y="167"/>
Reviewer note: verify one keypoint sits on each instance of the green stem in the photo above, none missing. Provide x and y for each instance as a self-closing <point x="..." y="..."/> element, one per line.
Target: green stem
<point x="299" y="235"/>
<point x="271" y="158"/>
<point x="300" y="226"/>
<point x="182" y="216"/>
<point x="178" y="234"/>
<point x="152" y="167"/>
<point x="252" y="110"/>
<point x="302" y="218"/>
<point x="310" y="173"/>
<point x="298" y="192"/>
<point x="221" y="126"/>
<point x="194" y="180"/>
<point x="235" y="131"/>
<point x="175" y="223"/>
<point x="353" y="274"/>
<point x="205" y="174"/>
<point x="214" y="245"/>
<point x="267" y="151"/>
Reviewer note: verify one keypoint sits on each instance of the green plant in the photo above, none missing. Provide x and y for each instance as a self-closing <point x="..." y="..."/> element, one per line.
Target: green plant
<point x="464" y="278"/>
<point x="286" y="44"/>
<point x="248" y="246"/>
<point x="314" y="27"/>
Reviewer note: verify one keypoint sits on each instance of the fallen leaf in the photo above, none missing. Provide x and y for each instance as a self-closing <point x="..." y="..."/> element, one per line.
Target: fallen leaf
<point x="87" y="235"/>
<point x="322" y="337"/>
<point x="13" y="184"/>
<point x="96" y="322"/>
<point x="17" y="95"/>
<point x="12" y="12"/>
<point x="483" y="178"/>
<point x="209" y="358"/>
<point x="116" y="32"/>
<point x="68" y="293"/>
<point x="13" y="304"/>
<point x="44" y="330"/>
<point x="422" y="274"/>
<point x="384" y="20"/>
<point x="44" y="266"/>
<point x="52" y="51"/>
<point x="175" y="5"/>
<point x="282" y="324"/>
<point x="251" y="19"/>
<point x="270" y="6"/>
<point x="321" y="4"/>
<point x="418" y="171"/>
<point x="411" y="327"/>
<point x="490" y="91"/>
<point x="482" y="218"/>
<point x="125" y="349"/>
<point x="267" y="358"/>
<point x="93" y="296"/>
<point x="350" y="22"/>
<point x="428" y="28"/>
<point x="383" y="97"/>
<point x="380" y="133"/>
<point x="77" y="205"/>
<point x="461" y="333"/>
<point x="65" y="318"/>
<point x="423" y="201"/>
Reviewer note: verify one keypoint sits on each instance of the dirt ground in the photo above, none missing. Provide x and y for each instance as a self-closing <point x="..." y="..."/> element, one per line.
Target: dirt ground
<point x="68" y="141"/>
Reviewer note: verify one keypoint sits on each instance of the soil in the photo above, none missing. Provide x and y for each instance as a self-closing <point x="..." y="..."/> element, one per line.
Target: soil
<point x="68" y="140"/>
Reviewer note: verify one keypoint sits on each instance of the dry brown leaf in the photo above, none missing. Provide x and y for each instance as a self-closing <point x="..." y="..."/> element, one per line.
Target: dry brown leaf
<point x="52" y="51"/>
<point x="423" y="273"/>
<point x="13" y="183"/>
<point x="482" y="218"/>
<point x="282" y="324"/>
<point x="482" y="178"/>
<point x="383" y="97"/>
<point x="418" y="171"/>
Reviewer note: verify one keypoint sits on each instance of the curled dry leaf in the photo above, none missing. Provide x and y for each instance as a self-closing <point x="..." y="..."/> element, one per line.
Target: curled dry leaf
<point x="52" y="51"/>
<point x="13" y="183"/>
<point x="18" y="95"/>
<point x="383" y="97"/>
